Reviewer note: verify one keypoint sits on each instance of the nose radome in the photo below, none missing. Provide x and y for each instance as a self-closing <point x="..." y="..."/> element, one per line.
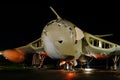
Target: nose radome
<point x="64" y="36"/>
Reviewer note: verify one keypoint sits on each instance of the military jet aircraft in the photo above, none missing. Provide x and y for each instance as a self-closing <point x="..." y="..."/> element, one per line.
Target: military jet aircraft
<point x="61" y="39"/>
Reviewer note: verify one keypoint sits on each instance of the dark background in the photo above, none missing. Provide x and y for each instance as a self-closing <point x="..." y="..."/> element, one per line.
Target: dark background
<point x="21" y="24"/>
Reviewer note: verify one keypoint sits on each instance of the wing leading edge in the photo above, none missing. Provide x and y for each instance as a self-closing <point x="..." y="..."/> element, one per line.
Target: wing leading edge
<point x="96" y="45"/>
<point x="18" y="54"/>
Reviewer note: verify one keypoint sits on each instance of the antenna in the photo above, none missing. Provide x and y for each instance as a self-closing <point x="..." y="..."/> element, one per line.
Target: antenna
<point x="58" y="17"/>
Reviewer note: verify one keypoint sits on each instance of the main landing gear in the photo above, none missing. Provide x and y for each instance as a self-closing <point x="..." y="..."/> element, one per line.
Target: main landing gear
<point x="38" y="59"/>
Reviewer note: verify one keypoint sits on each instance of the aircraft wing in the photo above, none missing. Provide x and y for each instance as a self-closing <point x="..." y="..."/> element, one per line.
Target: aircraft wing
<point x="33" y="47"/>
<point x="18" y="54"/>
<point x="97" y="45"/>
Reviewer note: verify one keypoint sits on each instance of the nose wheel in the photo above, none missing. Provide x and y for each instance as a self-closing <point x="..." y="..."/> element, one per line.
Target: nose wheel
<point x="68" y="65"/>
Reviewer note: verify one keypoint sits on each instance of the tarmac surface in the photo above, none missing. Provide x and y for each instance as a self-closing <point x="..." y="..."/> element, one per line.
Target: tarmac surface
<point x="36" y="74"/>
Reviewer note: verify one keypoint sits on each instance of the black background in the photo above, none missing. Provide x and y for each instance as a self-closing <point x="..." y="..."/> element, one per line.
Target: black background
<point x="20" y="24"/>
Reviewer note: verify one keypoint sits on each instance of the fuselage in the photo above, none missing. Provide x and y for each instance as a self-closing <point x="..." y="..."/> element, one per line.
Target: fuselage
<point x="62" y="39"/>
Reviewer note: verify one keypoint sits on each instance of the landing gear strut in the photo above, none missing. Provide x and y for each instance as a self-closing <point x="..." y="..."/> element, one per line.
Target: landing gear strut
<point x="115" y="60"/>
<point x="38" y="59"/>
